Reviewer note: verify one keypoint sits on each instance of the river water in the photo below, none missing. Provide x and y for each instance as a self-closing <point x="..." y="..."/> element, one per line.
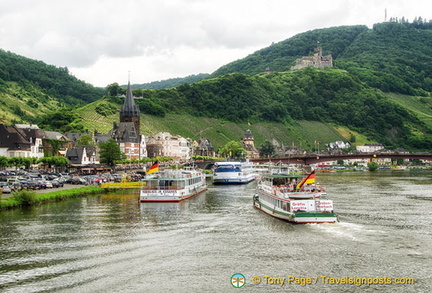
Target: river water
<point x="113" y="243"/>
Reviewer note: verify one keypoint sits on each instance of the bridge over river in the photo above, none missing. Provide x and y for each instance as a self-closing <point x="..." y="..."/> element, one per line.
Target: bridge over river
<point x="313" y="158"/>
<point x="307" y="159"/>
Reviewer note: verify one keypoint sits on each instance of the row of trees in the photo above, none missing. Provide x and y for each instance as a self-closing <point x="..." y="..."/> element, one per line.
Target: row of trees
<point x="47" y="162"/>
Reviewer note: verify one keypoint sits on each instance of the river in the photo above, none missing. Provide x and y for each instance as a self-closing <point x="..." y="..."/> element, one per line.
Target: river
<point x="113" y="243"/>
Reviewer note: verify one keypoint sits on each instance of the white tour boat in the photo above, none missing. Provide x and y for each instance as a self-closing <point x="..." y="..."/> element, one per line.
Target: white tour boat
<point x="172" y="185"/>
<point x="233" y="173"/>
<point x="287" y="197"/>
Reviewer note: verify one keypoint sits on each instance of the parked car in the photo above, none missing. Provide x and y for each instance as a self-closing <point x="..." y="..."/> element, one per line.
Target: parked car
<point x="40" y="184"/>
<point x="6" y="189"/>
<point x="76" y="180"/>
<point x="47" y="183"/>
<point x="15" y="186"/>
<point x="57" y="183"/>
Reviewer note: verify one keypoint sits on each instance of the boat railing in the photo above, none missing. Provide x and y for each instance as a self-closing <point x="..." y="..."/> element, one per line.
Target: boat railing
<point x="146" y="187"/>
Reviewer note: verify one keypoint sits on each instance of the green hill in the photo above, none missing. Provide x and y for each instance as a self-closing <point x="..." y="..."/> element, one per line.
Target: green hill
<point x="378" y="91"/>
<point x="280" y="56"/>
<point x="301" y="133"/>
<point x="169" y="83"/>
<point x="393" y="57"/>
<point x="29" y="88"/>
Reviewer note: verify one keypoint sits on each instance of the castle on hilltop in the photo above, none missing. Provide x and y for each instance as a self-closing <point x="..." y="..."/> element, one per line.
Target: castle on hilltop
<point x="317" y="60"/>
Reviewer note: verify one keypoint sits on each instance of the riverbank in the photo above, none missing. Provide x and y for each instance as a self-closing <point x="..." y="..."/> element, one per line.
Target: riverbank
<point x="30" y="197"/>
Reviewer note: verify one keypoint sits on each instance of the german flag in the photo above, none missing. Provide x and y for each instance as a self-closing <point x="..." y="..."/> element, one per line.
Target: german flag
<point x="154" y="168"/>
<point x="310" y="179"/>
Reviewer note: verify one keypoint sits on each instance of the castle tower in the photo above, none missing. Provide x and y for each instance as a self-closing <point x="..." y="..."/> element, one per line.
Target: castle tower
<point x="129" y="112"/>
<point x="249" y="139"/>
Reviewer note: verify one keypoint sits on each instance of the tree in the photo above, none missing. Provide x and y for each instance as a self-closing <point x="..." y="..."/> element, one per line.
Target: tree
<point x="267" y="149"/>
<point x="4" y="162"/>
<point x="16" y="161"/>
<point x="352" y="138"/>
<point x="56" y="161"/>
<point x="233" y="149"/>
<point x="110" y="152"/>
<point x="113" y="89"/>
<point x="372" y="166"/>
<point x="85" y="139"/>
<point x="29" y="161"/>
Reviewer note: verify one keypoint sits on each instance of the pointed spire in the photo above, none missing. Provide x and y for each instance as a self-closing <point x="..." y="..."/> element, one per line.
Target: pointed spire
<point x="129" y="107"/>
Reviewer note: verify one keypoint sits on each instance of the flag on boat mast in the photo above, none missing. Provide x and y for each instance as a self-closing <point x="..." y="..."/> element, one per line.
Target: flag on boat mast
<point x="309" y="179"/>
<point x="154" y="168"/>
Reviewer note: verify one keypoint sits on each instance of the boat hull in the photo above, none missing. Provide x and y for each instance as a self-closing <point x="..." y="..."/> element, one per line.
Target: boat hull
<point x="174" y="197"/>
<point x="295" y="217"/>
<point x="233" y="180"/>
<point x="172" y="186"/>
<point x="233" y="173"/>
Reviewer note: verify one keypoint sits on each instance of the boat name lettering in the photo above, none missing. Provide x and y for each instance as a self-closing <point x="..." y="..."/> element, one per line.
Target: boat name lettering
<point x="325" y="205"/>
<point x="160" y="191"/>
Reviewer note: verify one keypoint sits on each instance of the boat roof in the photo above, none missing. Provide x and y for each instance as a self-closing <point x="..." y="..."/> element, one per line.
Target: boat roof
<point x="229" y="163"/>
<point x="174" y="175"/>
<point x="289" y="175"/>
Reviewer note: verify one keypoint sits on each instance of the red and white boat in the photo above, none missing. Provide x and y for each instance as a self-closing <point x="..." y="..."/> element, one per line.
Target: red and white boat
<point x="172" y="186"/>
<point x="287" y="197"/>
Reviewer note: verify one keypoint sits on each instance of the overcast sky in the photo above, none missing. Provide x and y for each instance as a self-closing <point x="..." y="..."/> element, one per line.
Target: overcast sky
<point x="100" y="41"/>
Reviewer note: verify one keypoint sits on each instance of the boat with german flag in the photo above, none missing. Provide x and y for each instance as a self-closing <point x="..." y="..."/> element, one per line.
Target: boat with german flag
<point x="295" y="198"/>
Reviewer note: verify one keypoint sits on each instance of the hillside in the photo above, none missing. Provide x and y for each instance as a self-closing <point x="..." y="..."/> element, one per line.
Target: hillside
<point x="375" y="92"/>
<point x="393" y="57"/>
<point x="302" y="133"/>
<point x="278" y="106"/>
<point x="169" y="83"/>
<point x="279" y="57"/>
<point x="29" y="88"/>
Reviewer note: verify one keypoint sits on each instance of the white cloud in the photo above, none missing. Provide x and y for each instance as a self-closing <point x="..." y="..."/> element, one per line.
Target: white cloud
<point x="101" y="40"/>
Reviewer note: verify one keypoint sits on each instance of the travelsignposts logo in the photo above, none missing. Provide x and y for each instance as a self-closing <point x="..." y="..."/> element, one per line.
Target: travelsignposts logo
<point x="238" y="280"/>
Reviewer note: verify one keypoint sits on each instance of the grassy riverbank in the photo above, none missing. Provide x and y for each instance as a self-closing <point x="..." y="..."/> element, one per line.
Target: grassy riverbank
<point x="29" y="197"/>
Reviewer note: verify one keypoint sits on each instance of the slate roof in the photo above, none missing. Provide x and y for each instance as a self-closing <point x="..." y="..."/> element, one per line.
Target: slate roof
<point x="124" y="132"/>
<point x="129" y="108"/>
<point x="13" y="138"/>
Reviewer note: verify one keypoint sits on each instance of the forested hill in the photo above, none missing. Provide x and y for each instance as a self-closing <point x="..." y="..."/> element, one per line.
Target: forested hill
<point x="280" y="56"/>
<point x="169" y="83"/>
<point x="37" y="76"/>
<point x="392" y="56"/>
<point x="358" y="94"/>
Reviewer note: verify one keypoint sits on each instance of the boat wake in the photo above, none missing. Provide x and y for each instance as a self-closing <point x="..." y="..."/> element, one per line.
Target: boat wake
<point x="352" y="231"/>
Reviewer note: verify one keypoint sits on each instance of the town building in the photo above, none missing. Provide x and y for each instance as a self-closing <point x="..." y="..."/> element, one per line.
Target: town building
<point x="370" y="147"/>
<point x="35" y="135"/>
<point x="249" y="145"/>
<point x="203" y="147"/>
<point x="167" y="145"/>
<point x="127" y="132"/>
<point x="14" y="142"/>
<point x="55" y="143"/>
<point x="81" y="155"/>
<point x="338" y="145"/>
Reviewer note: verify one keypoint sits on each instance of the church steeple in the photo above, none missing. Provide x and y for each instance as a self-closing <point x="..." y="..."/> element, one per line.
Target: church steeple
<point x="129" y="108"/>
<point x="129" y="112"/>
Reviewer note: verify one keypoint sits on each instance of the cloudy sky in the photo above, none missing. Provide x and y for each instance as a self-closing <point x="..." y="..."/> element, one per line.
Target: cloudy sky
<point x="100" y="41"/>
